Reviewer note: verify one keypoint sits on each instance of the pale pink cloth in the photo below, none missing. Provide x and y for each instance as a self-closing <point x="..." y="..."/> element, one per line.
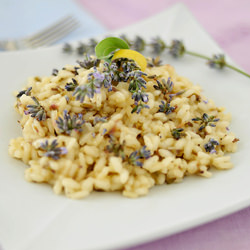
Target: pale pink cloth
<point x="228" y="22"/>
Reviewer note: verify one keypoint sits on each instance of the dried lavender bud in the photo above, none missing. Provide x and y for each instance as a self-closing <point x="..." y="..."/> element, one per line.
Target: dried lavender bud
<point x="89" y="62"/>
<point x="36" y="110"/>
<point x="55" y="72"/>
<point x="124" y="37"/>
<point x="206" y="120"/>
<point x="82" y="48"/>
<point x="177" y="48"/>
<point x="68" y="123"/>
<point x="158" y="45"/>
<point x="155" y="62"/>
<point x="166" y="108"/>
<point x="67" y="48"/>
<point x="52" y="151"/>
<point x="135" y="156"/>
<point x="24" y="92"/>
<point x="92" y="45"/>
<point x="99" y="119"/>
<point x="138" y="107"/>
<point x="165" y="86"/>
<point x="177" y="133"/>
<point x="210" y="146"/>
<point x="138" y="44"/>
<point x="71" y="85"/>
<point x="218" y="61"/>
<point x="95" y="82"/>
<point x="115" y="147"/>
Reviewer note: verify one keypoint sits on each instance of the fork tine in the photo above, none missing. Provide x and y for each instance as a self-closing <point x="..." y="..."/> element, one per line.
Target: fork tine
<point x="58" y="25"/>
<point x="54" y="35"/>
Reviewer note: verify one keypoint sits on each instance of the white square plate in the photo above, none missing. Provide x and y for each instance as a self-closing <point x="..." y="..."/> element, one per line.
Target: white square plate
<point x="32" y="217"/>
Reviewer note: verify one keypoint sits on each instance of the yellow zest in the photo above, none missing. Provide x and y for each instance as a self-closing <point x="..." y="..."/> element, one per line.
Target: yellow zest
<point x="131" y="54"/>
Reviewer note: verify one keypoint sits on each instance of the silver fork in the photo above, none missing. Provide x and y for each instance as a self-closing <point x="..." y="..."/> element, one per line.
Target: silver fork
<point x="44" y="37"/>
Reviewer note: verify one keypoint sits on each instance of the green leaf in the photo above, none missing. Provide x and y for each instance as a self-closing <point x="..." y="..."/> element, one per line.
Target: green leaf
<point x="108" y="45"/>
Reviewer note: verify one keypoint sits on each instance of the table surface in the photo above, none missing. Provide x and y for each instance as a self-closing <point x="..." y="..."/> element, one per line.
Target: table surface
<point x="228" y="22"/>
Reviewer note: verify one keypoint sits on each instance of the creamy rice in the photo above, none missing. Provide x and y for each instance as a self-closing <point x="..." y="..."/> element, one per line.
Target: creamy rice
<point x="88" y="165"/>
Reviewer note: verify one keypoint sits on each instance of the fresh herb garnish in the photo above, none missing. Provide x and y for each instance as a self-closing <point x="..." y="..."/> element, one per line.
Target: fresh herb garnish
<point x="104" y="49"/>
<point x="36" y="110"/>
<point x="52" y="151"/>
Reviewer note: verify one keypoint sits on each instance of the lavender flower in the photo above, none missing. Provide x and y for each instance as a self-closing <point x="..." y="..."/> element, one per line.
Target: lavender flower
<point x="165" y="86"/>
<point x="36" y="110"/>
<point x="138" y="107"/>
<point x="177" y="133"/>
<point x="135" y="156"/>
<point x="210" y="146"/>
<point x="55" y="72"/>
<point x="89" y="62"/>
<point x="99" y="119"/>
<point x="24" y="92"/>
<point x="138" y="44"/>
<point x="82" y="48"/>
<point x="67" y="48"/>
<point x="52" y="151"/>
<point x="95" y="81"/>
<point x="177" y="48"/>
<point x="155" y="62"/>
<point x="157" y="45"/>
<point x="206" y="120"/>
<point x="115" y="147"/>
<point x="68" y="123"/>
<point x="217" y="61"/>
<point x="166" y="108"/>
<point x="71" y="85"/>
<point x="124" y="37"/>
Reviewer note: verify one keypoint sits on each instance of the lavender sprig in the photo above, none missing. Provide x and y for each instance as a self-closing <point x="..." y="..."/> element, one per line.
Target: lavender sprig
<point x="52" y="151"/>
<point x="176" y="49"/>
<point x="24" y="92"/>
<point x="210" y="146"/>
<point x="165" y="86"/>
<point x="36" y="110"/>
<point x="206" y="120"/>
<point x="95" y="82"/>
<point x="136" y="85"/>
<point x="68" y="123"/>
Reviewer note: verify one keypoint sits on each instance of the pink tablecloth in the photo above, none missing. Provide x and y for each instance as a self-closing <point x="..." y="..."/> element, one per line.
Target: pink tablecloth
<point x="228" y="22"/>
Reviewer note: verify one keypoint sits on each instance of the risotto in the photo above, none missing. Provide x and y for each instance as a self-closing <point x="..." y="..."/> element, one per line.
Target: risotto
<point x="80" y="133"/>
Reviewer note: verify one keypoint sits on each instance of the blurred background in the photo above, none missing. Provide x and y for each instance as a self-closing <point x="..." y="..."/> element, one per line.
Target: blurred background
<point x="227" y="21"/>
